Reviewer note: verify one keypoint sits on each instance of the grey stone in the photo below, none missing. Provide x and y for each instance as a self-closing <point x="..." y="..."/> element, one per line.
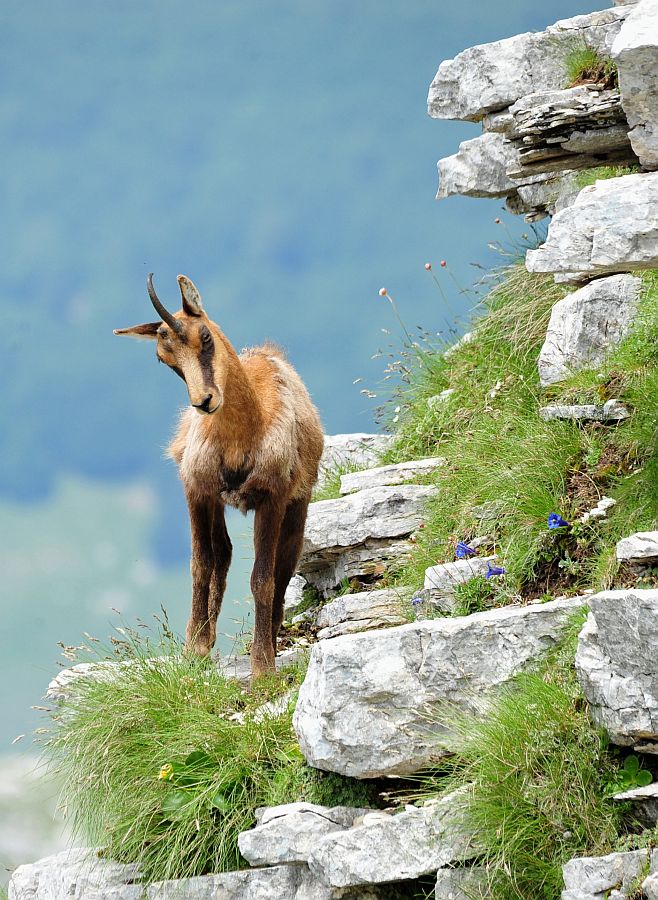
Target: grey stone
<point x="358" y="449"/>
<point x="285" y="882"/>
<point x="451" y="884"/>
<point x="288" y="833"/>
<point x="365" y="707"/>
<point x="612" y="226"/>
<point x="398" y="848"/>
<point x="639" y="547"/>
<point x="610" y="411"/>
<point x="294" y="595"/>
<point x="490" y="77"/>
<point x="644" y="801"/>
<point x="544" y="195"/>
<point x="445" y="577"/>
<point x="360" y="612"/>
<point x="396" y="473"/>
<point x="618" y="667"/>
<point x="650" y="886"/>
<point x="635" y="51"/>
<point x="344" y="537"/>
<point x="573" y="128"/>
<point x="592" y="876"/>
<point x="479" y="168"/>
<point x="586" y="325"/>
<point x="77" y="874"/>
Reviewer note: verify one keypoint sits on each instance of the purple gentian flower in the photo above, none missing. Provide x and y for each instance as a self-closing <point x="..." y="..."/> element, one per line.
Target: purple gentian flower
<point x="494" y="570"/>
<point x="556" y="521"/>
<point x="463" y="551"/>
<point x="416" y="600"/>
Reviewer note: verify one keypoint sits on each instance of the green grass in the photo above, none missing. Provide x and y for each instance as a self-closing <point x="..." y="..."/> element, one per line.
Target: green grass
<point x="537" y="775"/>
<point x="165" y="764"/>
<point x="328" y="487"/>
<point x="584" y="65"/>
<point x="502" y="456"/>
<point x="602" y="173"/>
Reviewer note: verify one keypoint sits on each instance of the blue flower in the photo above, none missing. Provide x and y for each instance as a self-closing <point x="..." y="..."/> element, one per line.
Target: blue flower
<point x="463" y="551"/>
<point x="416" y="600"/>
<point x="494" y="570"/>
<point x="556" y="521"/>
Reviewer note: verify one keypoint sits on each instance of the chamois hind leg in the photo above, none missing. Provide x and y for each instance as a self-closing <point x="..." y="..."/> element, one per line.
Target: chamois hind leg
<point x="288" y="552"/>
<point x="222" y="551"/>
<point x="267" y="526"/>
<point x="197" y="635"/>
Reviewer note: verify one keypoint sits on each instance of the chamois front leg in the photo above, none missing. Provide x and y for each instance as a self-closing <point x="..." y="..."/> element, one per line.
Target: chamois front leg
<point x="288" y="552"/>
<point x="197" y="635"/>
<point x="222" y="551"/>
<point x="267" y="527"/>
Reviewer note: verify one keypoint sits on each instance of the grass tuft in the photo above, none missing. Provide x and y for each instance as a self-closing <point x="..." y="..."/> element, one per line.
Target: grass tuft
<point x="165" y="763"/>
<point x="602" y="173"/>
<point x="584" y="65"/>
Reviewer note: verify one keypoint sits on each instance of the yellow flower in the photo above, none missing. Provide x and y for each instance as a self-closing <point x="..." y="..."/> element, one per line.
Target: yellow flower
<point x="166" y="772"/>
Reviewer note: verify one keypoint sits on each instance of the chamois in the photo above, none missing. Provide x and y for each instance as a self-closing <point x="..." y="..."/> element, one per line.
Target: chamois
<point x="252" y="439"/>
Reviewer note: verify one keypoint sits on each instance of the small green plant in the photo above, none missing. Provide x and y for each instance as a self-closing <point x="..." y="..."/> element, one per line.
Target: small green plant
<point x="629" y="776"/>
<point x="601" y="173"/>
<point x="475" y="595"/>
<point x="584" y="65"/>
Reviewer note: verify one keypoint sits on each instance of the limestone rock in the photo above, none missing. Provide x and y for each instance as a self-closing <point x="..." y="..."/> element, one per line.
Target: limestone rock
<point x="586" y="324"/>
<point x="544" y="195"/>
<point x="644" y="801"/>
<point x="344" y="537"/>
<point x="444" y="578"/>
<point x="451" y="883"/>
<point x="383" y="476"/>
<point x="490" y="77"/>
<point x="76" y="874"/>
<point x="639" y="547"/>
<point x="397" y="848"/>
<point x="359" y="612"/>
<point x="573" y="128"/>
<point x="610" y="411"/>
<point x="364" y="705"/>
<point x="288" y="833"/>
<point x="636" y="52"/>
<point x="591" y="877"/>
<point x="479" y="168"/>
<point x="618" y="667"/>
<point x="357" y="449"/>
<point x="294" y="595"/>
<point x="612" y="226"/>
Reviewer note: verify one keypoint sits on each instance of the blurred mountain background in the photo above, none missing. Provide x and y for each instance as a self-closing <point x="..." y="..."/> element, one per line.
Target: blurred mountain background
<point x="280" y="155"/>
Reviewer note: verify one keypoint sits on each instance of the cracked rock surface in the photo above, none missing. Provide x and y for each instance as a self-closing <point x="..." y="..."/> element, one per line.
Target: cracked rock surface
<point x="365" y="707"/>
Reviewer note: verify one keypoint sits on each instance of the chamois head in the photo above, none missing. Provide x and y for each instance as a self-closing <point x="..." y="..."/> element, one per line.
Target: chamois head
<point x="190" y="344"/>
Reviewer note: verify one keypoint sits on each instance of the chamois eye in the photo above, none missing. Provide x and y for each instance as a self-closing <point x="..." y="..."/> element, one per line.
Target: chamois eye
<point x="205" y="337"/>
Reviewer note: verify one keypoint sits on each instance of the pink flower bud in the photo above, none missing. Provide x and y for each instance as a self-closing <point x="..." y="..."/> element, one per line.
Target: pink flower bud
<point x="383" y="292"/>
<point x="443" y="263"/>
<point x="428" y="266"/>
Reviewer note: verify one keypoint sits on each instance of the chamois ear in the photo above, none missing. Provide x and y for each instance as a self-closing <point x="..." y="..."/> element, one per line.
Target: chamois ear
<point x="147" y="331"/>
<point x="191" y="296"/>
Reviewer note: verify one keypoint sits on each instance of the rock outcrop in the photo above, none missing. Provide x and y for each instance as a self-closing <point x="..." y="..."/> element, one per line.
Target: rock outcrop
<point x="618" y="666"/>
<point x="586" y="325"/>
<point x="610" y="411"/>
<point x="612" y="226"/>
<point x="388" y="476"/>
<point x="601" y="877"/>
<point x="363" y="611"/>
<point x="369" y="705"/>
<point x="635" y="50"/>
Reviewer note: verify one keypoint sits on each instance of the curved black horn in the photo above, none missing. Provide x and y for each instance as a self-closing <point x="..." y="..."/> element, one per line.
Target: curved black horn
<point x="159" y="308"/>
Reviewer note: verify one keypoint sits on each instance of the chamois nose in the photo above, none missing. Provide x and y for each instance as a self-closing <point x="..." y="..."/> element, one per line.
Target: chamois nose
<point x="204" y="406"/>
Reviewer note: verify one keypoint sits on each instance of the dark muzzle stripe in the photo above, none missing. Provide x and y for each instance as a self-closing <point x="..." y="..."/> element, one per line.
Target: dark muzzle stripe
<point x="206" y="356"/>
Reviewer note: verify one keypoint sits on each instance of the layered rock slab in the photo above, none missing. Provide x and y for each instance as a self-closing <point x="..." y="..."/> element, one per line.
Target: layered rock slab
<point x="394" y="848"/>
<point x="586" y="324"/>
<point x="612" y="226"/>
<point x="395" y="473"/>
<point x="610" y="411"/>
<point x="78" y="874"/>
<point x="358" y="533"/>
<point x="478" y="169"/>
<point x="490" y="77"/>
<point x="617" y="665"/>
<point x="641" y="547"/>
<point x="362" y="611"/>
<point x="288" y="833"/>
<point x="635" y="51"/>
<point x="368" y="705"/>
